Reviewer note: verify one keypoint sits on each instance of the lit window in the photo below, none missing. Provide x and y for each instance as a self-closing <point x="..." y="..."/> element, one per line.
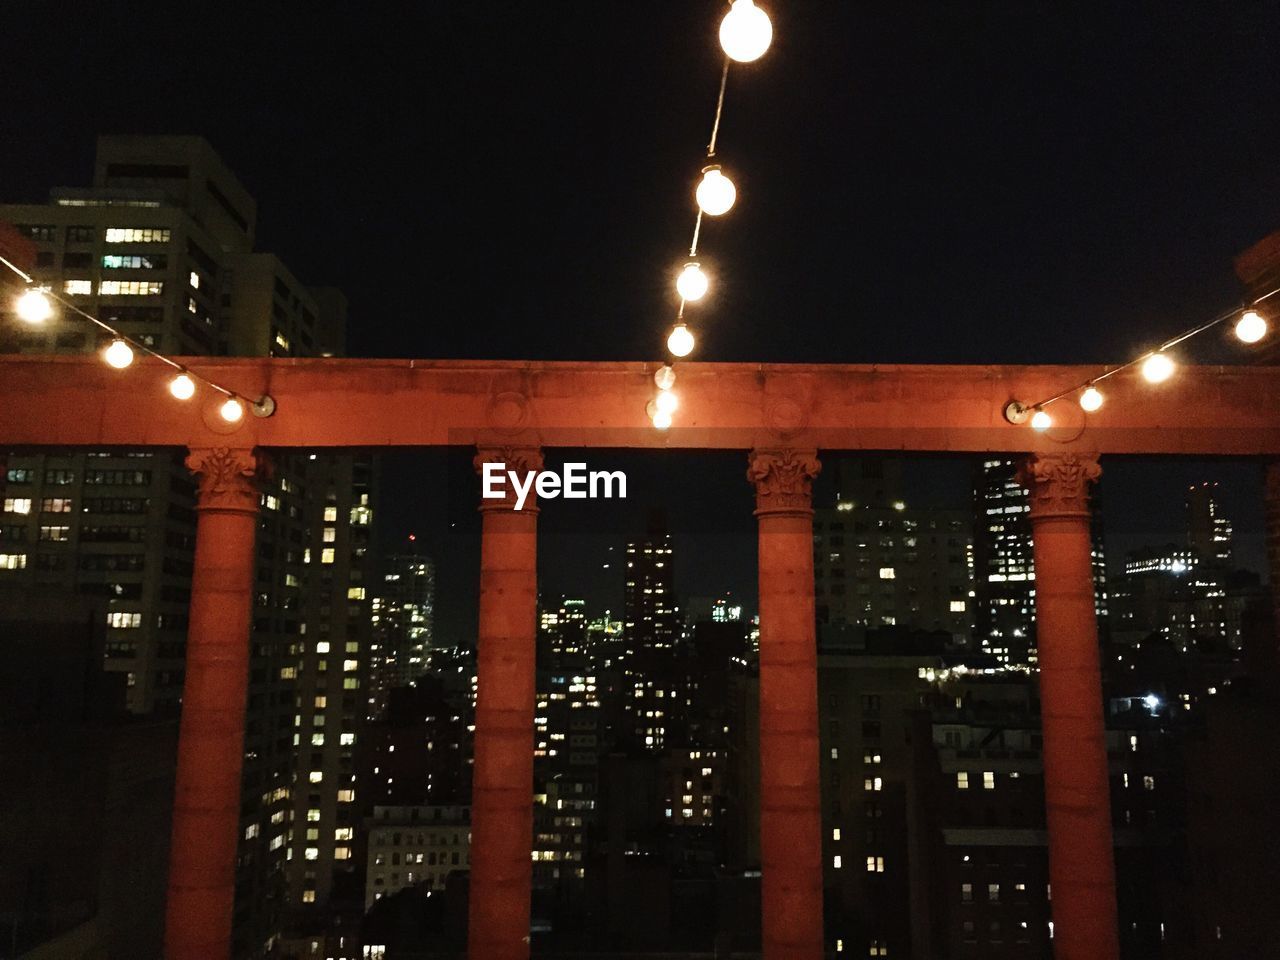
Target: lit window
<point x="835" y="833"/>
<point x="346" y="796"/>
<point x="17" y="505"/>
<point x="326" y="555"/>
<point x="312" y="853"/>
<point x="966" y="893"/>
<point x="350" y="666"/>
<point x="343" y="833"/>
<point x="316" y="776"/>
<point x="342" y="853"/>
<point x="993" y="892"/>
<point x="330" y="534"/>
<point x="346" y="739"/>
<point x="194" y="280"/>
<point x="988" y="780"/>
<point x="355" y="593"/>
<point x="887" y="573"/>
<point x="322" y="646"/>
<point x="130" y="288"/>
<point x="313" y="815"/>
<point x="837" y="862"/>
<point x="137" y="235"/>
<point x="1148" y="783"/>
<point x="957" y="606"/>
<point x="121" y="620"/>
<point x="55" y="534"/>
<point x="873" y="783"/>
<point x="330" y="514"/>
<point x="875" y="864"/>
<point x="78" y="288"/>
<point x="962" y="780"/>
<point x="308" y="896"/>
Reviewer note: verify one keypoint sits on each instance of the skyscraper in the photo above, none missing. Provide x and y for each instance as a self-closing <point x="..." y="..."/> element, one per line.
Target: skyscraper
<point x="651" y="629"/>
<point x="1208" y="531"/>
<point x="403" y="617"/>
<point x="161" y="247"/>
<point x="1004" y="567"/>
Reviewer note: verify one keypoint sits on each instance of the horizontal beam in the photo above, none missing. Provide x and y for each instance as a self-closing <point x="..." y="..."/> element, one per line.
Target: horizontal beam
<point x="78" y="401"/>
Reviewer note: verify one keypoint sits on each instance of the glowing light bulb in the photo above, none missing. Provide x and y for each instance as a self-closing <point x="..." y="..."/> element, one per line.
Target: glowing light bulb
<point x="1251" y="328"/>
<point x="1041" y="420"/>
<point x="667" y="402"/>
<point x="692" y="283"/>
<point x="745" y="31"/>
<point x="182" y="387"/>
<point x="232" y="410"/>
<point x="119" y="354"/>
<point x="716" y="192"/>
<point x="680" y="343"/>
<point x="661" y="421"/>
<point x="665" y="378"/>
<point x="34" y="307"/>
<point x="1158" y="368"/>
<point x="1091" y="399"/>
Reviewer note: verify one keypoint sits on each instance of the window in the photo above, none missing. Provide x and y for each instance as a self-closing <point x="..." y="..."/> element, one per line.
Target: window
<point x="343" y="833"/>
<point x="875" y="784"/>
<point x="988" y="780"/>
<point x="342" y="853"/>
<point x="1148" y="783"/>
<point x="878" y="948"/>
<point x="130" y="288"/>
<point x="346" y="796"/>
<point x="962" y="780"/>
<point x="330" y="534"/>
<point x="875" y="864"/>
<point x="17" y="505"/>
<point x="13" y="561"/>
<point x="127" y="262"/>
<point x="316" y="776"/>
<point x="330" y="514"/>
<point x="957" y="606"/>
<point x="835" y="833"/>
<point x="887" y="573"/>
<point x="194" y="280"/>
<point x="966" y="893"/>
<point x="326" y="555"/>
<point x="55" y="505"/>
<point x="993" y="892"/>
<point x="77" y="288"/>
<point x="312" y="853"/>
<point x="55" y="534"/>
<point x="137" y="235"/>
<point x="837" y="862"/>
<point x="122" y="620"/>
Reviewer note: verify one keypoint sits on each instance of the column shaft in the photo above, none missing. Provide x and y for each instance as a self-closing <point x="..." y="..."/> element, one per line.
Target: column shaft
<point x="790" y="795"/>
<point x="502" y="778"/>
<point x="206" y="810"/>
<point x="1076" y="786"/>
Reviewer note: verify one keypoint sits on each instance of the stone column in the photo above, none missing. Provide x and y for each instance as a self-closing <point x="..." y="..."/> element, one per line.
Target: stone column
<point x="1272" y="494"/>
<point x="1076" y="787"/>
<point x="502" y="778"/>
<point x="206" y="807"/>
<point x="790" y="793"/>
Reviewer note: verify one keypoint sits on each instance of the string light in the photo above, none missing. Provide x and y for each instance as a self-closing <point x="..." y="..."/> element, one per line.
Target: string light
<point x="119" y="354"/>
<point x="665" y="378"/>
<point x="1251" y="328"/>
<point x="692" y="283"/>
<point x="34" y="306"/>
<point x="232" y="411"/>
<point x="182" y="387"/>
<point x="667" y="402"/>
<point x="716" y="192"/>
<point x="745" y="31"/>
<point x="1156" y="366"/>
<point x="661" y="421"/>
<point x="1040" y="420"/>
<point x="1091" y="399"/>
<point x="680" y="343"/>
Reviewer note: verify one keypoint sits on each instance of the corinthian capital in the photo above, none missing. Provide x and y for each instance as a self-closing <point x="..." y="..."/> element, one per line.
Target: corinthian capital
<point x="1058" y="484"/>
<point x="226" y="477"/>
<point x="783" y="480"/>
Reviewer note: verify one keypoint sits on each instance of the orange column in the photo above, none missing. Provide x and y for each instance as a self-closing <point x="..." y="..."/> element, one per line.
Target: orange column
<point x="1076" y="788"/>
<point x="502" y="778"/>
<point x="790" y="796"/>
<point x="206" y="807"/>
<point x="1272" y="479"/>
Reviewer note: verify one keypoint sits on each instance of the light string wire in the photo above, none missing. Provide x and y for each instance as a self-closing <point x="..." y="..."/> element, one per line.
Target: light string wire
<point x="1234" y="313"/>
<point x="118" y="335"/>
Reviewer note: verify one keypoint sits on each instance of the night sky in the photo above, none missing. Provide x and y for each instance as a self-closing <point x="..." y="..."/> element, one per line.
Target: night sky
<point x="993" y="182"/>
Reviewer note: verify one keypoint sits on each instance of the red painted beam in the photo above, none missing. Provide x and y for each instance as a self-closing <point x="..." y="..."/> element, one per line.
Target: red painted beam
<point x="78" y="401"/>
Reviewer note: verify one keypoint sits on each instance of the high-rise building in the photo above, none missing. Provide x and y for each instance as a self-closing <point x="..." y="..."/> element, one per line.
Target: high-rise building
<point x="1208" y="531"/>
<point x="1004" y="565"/>
<point x="161" y="247"/>
<point x="403" y="617"/>
<point x="651" y="630"/>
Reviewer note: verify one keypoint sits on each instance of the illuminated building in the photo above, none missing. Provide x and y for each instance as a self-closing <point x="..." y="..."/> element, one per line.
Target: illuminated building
<point x="403" y="620"/>
<point x="415" y="847"/>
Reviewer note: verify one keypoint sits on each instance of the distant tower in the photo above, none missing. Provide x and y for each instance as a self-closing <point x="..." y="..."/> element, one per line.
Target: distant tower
<point x="403" y="617"/>
<point x="1004" y="570"/>
<point x="1208" y="532"/>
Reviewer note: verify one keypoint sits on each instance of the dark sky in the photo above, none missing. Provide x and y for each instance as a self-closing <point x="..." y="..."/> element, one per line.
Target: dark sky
<point x="984" y="182"/>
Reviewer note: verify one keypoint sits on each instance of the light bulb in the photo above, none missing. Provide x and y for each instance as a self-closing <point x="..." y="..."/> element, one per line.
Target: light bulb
<point x="119" y="354"/>
<point x="232" y="410"/>
<point x="661" y="420"/>
<point x="34" y="307"/>
<point x="715" y="193"/>
<point x="667" y="402"/>
<point x="1041" y="421"/>
<point x="1251" y="327"/>
<point x="182" y="387"/>
<point x="665" y="378"/>
<point x="745" y="32"/>
<point x="680" y="343"/>
<point x="1091" y="399"/>
<point x="1158" y="368"/>
<point x="692" y="283"/>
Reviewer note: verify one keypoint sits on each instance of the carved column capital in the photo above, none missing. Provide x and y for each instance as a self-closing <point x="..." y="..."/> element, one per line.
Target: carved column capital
<point x="521" y="460"/>
<point x="1058" y="484"/>
<point x="783" y="480"/>
<point x="227" y="477"/>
